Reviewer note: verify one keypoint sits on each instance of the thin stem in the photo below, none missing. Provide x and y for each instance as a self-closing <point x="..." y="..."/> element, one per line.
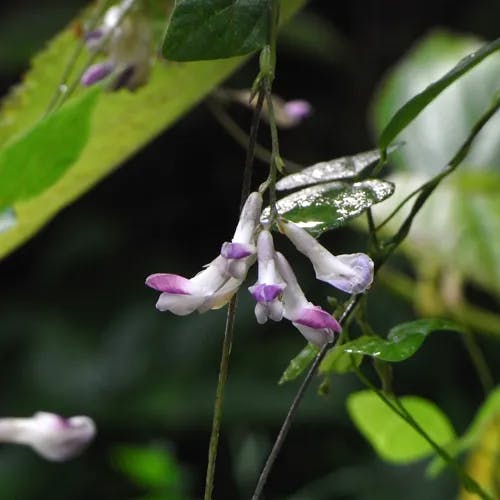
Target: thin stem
<point x="479" y="362"/>
<point x="252" y="142"/>
<point x="278" y="444"/>
<point x="397" y="407"/>
<point x="242" y="138"/>
<point x="61" y="87"/>
<point x="231" y="313"/>
<point x="372" y="230"/>
<point x="275" y="155"/>
<point x="219" y="397"/>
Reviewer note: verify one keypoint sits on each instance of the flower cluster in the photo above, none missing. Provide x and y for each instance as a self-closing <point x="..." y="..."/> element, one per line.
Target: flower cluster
<point x="277" y="293"/>
<point x="126" y="40"/>
<point x="51" y="436"/>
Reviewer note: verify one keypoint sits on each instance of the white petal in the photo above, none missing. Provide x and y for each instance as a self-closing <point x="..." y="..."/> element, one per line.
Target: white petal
<point x="179" y="304"/>
<point x="316" y="337"/>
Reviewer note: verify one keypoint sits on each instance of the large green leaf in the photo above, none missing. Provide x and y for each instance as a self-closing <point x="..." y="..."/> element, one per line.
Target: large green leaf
<point x="409" y="111"/>
<point x="216" y="29"/>
<point x="391" y="436"/>
<point x="327" y="206"/>
<point x="459" y="226"/>
<point x="121" y="123"/>
<point x="403" y="341"/>
<point x="37" y="159"/>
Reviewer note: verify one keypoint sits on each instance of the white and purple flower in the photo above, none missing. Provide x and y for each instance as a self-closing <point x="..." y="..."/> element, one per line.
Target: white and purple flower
<point x="50" y="435"/>
<point x="269" y="287"/>
<point x="127" y="41"/>
<point x="239" y="253"/>
<point x="210" y="288"/>
<point x="213" y="287"/>
<point x="316" y="325"/>
<point x="351" y="273"/>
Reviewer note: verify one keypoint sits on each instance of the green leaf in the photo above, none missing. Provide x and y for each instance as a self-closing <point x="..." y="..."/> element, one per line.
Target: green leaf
<point x="407" y="113"/>
<point x="346" y="167"/>
<point x="298" y="364"/>
<point x="337" y="360"/>
<point x="485" y="415"/>
<point x="148" y="467"/>
<point x="40" y="157"/>
<point x="216" y="29"/>
<point x="328" y="206"/>
<point x="403" y="341"/>
<point x="459" y="225"/>
<point x="392" y="437"/>
<point x="121" y="123"/>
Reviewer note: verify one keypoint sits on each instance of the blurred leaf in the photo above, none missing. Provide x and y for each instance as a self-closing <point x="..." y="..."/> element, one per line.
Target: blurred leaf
<point x="299" y="363"/>
<point x="459" y="225"/>
<point x="41" y="156"/>
<point x="392" y="437"/>
<point x="407" y="113"/>
<point x="403" y="341"/>
<point x="314" y="37"/>
<point x="122" y="122"/>
<point x="216" y="29"/>
<point x="149" y="467"/>
<point x="487" y="414"/>
<point x="339" y="361"/>
<point x="346" y="167"/>
<point x="483" y="462"/>
<point x="331" y="205"/>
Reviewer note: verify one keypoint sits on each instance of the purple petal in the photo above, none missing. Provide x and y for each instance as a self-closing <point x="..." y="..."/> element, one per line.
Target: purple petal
<point x="360" y="277"/>
<point x="94" y="35"/>
<point x="170" y="283"/>
<point x="236" y="250"/>
<point x="266" y="293"/>
<point x="297" y="110"/>
<point x="316" y="318"/>
<point x="96" y="73"/>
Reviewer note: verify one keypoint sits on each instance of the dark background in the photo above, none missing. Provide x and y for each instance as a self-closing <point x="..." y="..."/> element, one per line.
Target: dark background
<point x="78" y="330"/>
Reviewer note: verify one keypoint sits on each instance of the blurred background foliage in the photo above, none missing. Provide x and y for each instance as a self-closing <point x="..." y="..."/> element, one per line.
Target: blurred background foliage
<point x="79" y="333"/>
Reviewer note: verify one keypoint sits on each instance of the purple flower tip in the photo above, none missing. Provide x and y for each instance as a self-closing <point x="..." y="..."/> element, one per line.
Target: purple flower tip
<point x="297" y="110"/>
<point x="94" y="35"/>
<point x="96" y="73"/>
<point x="169" y="283"/>
<point x="266" y="293"/>
<point x="316" y="318"/>
<point x="236" y="250"/>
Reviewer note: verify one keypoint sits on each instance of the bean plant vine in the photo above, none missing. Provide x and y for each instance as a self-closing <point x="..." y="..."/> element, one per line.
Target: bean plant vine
<point x="115" y="56"/>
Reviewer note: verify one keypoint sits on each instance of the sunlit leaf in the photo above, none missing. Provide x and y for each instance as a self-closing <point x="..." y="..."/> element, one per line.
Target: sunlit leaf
<point x="299" y="363"/>
<point x="482" y="462"/>
<point x="407" y="113"/>
<point x="402" y="342"/>
<point x="459" y="225"/>
<point x="35" y="160"/>
<point x="216" y="29"/>
<point x="346" y="167"/>
<point x="327" y="206"/>
<point x="391" y="436"/>
<point x="487" y="415"/>
<point x="122" y="122"/>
